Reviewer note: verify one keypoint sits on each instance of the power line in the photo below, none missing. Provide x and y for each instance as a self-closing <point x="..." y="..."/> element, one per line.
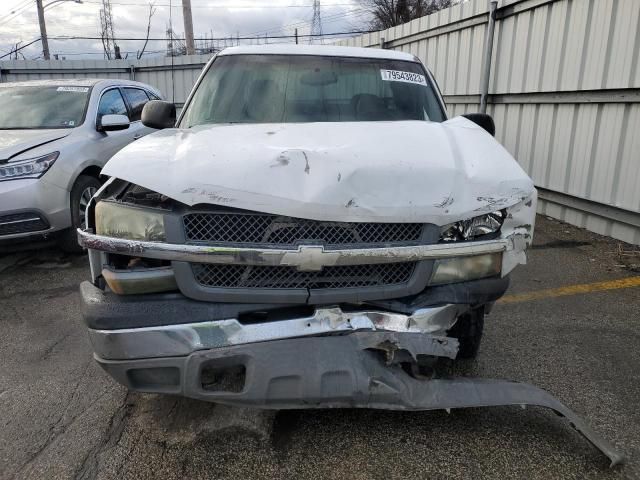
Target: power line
<point x="20" y="48"/>
<point x="248" y="7"/>
<point x="18" y="8"/>
<point x="302" y="23"/>
<point x="16" y="13"/>
<point x="122" y="39"/>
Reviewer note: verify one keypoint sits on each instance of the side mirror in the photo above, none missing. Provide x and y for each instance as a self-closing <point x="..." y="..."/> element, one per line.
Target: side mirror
<point x="110" y="123"/>
<point x="483" y="120"/>
<point x="159" y="114"/>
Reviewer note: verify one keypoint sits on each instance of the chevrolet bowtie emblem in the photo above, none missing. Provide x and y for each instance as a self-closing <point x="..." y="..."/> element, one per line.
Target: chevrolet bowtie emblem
<point x="310" y="258"/>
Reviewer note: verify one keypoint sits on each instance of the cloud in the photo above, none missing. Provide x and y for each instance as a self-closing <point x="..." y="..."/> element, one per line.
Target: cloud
<point x="243" y="17"/>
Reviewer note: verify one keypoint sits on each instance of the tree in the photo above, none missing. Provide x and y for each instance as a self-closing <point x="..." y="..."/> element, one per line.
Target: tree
<point x="389" y="13"/>
<point x="152" y="10"/>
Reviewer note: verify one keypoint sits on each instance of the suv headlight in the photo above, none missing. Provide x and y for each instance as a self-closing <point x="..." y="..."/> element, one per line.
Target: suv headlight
<point x="30" y="168"/>
<point x="482" y="227"/>
<point x="132" y="223"/>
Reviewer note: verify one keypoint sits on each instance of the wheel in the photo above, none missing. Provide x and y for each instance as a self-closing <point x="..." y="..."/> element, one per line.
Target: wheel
<point x="82" y="191"/>
<point x="468" y="330"/>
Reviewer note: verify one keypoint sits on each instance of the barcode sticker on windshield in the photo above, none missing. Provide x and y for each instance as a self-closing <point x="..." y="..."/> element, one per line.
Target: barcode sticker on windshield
<point x="400" y="76"/>
<point x="73" y="89"/>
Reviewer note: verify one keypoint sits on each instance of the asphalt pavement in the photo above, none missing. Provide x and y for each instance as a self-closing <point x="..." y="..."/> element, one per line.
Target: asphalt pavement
<point x="62" y="417"/>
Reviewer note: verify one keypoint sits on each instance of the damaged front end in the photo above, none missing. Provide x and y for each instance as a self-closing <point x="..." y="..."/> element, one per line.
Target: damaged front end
<point x="278" y="321"/>
<point x="331" y="359"/>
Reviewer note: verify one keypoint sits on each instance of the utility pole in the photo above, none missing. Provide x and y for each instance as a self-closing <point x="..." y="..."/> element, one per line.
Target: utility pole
<point x="43" y="30"/>
<point x="296" y="36"/>
<point x="188" y="26"/>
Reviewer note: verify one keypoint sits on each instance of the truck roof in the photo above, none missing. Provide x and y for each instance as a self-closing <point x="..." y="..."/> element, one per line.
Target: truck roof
<point x="318" y="50"/>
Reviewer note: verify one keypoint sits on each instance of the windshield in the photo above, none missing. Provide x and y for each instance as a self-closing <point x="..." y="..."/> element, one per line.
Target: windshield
<point x="42" y="107"/>
<point x="299" y="88"/>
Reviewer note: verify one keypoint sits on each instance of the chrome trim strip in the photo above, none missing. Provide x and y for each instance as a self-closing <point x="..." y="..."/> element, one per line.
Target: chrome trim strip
<point x="305" y="257"/>
<point x="24" y="220"/>
<point x="184" y="339"/>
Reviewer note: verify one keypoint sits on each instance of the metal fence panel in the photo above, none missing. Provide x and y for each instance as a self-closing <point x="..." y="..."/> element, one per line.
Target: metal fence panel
<point x="174" y="77"/>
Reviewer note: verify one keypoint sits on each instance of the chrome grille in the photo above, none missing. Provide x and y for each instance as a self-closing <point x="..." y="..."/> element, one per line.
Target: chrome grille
<point x="239" y="228"/>
<point x="240" y="276"/>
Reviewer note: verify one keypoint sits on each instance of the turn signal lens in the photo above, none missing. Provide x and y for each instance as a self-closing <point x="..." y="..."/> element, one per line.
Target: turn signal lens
<point x="462" y="269"/>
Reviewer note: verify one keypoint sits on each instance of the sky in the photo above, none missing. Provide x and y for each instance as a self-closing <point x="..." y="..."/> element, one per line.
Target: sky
<point x="214" y="18"/>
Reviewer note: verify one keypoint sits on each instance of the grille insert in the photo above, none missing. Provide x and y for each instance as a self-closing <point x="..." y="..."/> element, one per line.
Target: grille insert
<point x="240" y="276"/>
<point x="238" y="228"/>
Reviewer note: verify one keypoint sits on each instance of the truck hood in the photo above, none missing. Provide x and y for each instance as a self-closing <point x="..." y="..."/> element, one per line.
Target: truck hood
<point x="15" y="142"/>
<point x="409" y="171"/>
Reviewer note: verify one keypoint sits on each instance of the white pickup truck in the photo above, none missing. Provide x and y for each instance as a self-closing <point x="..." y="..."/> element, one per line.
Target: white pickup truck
<point x="312" y="231"/>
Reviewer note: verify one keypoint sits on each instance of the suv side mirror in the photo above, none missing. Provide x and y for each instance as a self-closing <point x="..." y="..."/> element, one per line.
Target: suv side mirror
<point x="483" y="120"/>
<point x="111" y="123"/>
<point x="159" y="114"/>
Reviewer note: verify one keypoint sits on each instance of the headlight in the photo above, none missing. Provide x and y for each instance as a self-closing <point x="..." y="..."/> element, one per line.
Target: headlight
<point x="30" y="168"/>
<point x="114" y="220"/>
<point x="483" y="227"/>
<point x="462" y="269"/>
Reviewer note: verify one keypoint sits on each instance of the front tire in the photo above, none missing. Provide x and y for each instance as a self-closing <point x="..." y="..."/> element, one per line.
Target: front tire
<point x="83" y="189"/>
<point x="468" y="330"/>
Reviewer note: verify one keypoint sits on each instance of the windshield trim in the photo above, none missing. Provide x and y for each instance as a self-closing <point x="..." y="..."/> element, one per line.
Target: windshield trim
<point x="205" y="70"/>
<point x="84" y="111"/>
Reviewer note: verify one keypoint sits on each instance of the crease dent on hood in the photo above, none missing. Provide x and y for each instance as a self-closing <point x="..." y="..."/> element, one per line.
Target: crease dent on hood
<point x="361" y="171"/>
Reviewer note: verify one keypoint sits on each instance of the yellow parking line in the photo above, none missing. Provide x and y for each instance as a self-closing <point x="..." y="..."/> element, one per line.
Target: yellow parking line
<point x="572" y="290"/>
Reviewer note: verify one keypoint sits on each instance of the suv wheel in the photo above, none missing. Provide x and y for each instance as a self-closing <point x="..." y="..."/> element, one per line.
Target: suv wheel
<point x="82" y="191"/>
<point x="468" y="330"/>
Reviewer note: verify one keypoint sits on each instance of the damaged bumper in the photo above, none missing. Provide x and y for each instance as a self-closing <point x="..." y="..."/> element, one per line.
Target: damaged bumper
<point x="332" y="358"/>
<point x="184" y="339"/>
<point x="361" y="370"/>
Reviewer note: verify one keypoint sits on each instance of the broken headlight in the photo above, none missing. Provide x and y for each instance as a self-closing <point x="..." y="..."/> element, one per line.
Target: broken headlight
<point x="482" y="227"/>
<point x="132" y="223"/>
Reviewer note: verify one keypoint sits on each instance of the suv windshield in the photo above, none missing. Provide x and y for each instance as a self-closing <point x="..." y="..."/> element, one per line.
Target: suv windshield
<point x="299" y="88"/>
<point x="42" y="107"/>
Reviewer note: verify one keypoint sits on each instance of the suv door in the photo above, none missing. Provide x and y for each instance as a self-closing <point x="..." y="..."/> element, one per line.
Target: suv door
<point x="112" y="102"/>
<point x="136" y="99"/>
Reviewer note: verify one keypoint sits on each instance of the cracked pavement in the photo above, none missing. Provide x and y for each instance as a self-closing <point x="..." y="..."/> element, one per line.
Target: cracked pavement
<point x="62" y="417"/>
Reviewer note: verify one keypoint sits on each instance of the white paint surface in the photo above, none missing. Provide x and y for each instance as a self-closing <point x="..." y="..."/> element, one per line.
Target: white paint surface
<point x="410" y="171"/>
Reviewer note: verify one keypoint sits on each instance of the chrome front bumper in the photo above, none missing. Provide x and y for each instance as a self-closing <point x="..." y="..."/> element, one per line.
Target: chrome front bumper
<point x="184" y="339"/>
<point x="308" y="258"/>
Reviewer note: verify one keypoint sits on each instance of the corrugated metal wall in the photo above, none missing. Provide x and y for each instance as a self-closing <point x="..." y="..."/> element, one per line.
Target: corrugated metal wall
<point x="174" y="81"/>
<point x="564" y="92"/>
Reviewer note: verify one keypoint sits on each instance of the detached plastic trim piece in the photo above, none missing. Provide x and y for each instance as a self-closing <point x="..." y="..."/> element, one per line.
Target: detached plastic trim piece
<point x="359" y="370"/>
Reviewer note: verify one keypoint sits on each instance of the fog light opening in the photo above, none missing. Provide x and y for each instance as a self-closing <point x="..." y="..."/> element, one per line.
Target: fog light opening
<point x="216" y="378"/>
